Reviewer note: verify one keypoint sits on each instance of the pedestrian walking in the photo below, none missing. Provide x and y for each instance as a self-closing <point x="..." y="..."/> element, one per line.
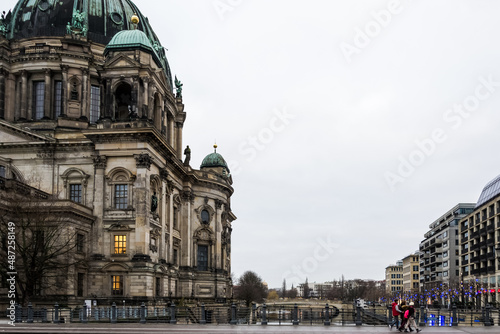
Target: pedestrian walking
<point x="396" y="311"/>
<point x="411" y="323"/>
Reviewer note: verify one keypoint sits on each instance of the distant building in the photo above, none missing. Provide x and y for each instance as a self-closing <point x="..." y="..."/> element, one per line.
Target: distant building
<point x="411" y="273"/>
<point x="394" y="278"/>
<point x="316" y="290"/>
<point x="480" y="247"/>
<point x="439" y="259"/>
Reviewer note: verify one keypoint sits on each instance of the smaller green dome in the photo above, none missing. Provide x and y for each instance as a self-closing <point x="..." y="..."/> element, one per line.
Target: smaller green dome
<point x="214" y="160"/>
<point x="133" y="40"/>
<point x="130" y="39"/>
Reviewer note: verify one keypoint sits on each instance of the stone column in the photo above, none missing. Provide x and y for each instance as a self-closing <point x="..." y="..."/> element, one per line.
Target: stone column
<point x="109" y="112"/>
<point x="84" y="110"/>
<point x="151" y="103"/>
<point x="17" y="104"/>
<point x="10" y="90"/>
<point x="218" y="235"/>
<point x="24" y="94"/>
<point x="64" y="90"/>
<point x="46" y="98"/>
<point x="171" y="229"/>
<point x="179" y="140"/>
<point x="135" y="96"/>
<point x="145" y="98"/>
<point x="2" y="93"/>
<point x="186" y="228"/>
<point x="171" y="130"/>
<point x="140" y="201"/>
<point x="165" y="197"/>
<point x="99" y="203"/>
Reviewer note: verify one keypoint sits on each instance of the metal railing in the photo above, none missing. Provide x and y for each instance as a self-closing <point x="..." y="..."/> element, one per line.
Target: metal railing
<point x="276" y="314"/>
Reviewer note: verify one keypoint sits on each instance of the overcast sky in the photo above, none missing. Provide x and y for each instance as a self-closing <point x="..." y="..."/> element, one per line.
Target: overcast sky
<point x="349" y="126"/>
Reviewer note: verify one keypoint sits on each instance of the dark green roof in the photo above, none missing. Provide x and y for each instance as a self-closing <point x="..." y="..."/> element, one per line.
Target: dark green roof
<point x="103" y="19"/>
<point x="214" y="160"/>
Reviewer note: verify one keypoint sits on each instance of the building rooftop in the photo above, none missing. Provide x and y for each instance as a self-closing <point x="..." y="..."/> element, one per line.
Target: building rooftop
<point x="490" y="190"/>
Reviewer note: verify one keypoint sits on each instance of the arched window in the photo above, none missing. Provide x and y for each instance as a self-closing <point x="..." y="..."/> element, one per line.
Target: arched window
<point x="75" y="184"/>
<point x="120" y="182"/>
<point x="123" y="100"/>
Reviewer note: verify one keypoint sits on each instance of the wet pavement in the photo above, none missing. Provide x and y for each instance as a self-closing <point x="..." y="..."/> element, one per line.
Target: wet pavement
<point x="223" y="329"/>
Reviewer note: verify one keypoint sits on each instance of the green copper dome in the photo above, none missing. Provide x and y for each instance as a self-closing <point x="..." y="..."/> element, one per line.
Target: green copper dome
<point x="214" y="160"/>
<point x="98" y="20"/>
<point x="130" y="39"/>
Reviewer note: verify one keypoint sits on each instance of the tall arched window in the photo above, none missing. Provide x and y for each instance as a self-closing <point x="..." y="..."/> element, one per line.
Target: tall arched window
<point x="123" y="99"/>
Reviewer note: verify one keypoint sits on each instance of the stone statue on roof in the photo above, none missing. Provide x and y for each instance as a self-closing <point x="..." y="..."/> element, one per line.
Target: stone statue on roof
<point x="178" y="87"/>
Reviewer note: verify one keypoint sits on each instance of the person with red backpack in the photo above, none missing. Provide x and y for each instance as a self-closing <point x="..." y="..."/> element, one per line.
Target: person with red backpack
<point x="396" y="311"/>
<point x="410" y="316"/>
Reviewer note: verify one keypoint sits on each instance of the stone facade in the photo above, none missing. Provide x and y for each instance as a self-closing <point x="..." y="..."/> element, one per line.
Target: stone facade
<point x="102" y="127"/>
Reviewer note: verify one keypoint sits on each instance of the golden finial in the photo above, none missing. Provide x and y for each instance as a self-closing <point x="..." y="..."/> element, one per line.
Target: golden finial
<point x="134" y="19"/>
<point x="215" y="148"/>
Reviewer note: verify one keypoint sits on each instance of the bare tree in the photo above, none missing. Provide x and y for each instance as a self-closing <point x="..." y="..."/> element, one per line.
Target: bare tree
<point x="37" y="232"/>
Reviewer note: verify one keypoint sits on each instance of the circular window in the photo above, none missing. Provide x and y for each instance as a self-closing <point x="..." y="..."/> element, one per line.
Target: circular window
<point x="205" y="217"/>
<point x="116" y="18"/>
<point x="43" y="5"/>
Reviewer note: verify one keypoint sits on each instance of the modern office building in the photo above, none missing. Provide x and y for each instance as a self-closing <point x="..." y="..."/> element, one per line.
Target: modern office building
<point x="480" y="247"/>
<point x="439" y="251"/>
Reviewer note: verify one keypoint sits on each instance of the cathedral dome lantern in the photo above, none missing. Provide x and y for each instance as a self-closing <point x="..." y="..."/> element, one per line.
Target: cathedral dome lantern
<point x="215" y="161"/>
<point x="132" y="40"/>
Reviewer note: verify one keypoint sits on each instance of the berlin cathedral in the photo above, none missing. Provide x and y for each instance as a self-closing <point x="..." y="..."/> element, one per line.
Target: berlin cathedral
<point x="91" y="123"/>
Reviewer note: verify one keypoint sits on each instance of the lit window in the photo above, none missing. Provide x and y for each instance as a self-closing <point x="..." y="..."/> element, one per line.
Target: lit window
<point x="120" y="244"/>
<point x="38" y="99"/>
<point x="121" y="196"/>
<point x="117" y="282"/>
<point x="95" y="103"/>
<point x="75" y="193"/>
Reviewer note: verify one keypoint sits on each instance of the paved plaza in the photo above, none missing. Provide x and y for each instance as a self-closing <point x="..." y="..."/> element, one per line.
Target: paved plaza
<point x="223" y="329"/>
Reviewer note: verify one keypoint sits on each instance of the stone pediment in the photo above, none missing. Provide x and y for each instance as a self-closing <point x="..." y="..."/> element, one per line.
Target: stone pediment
<point x="121" y="60"/>
<point x="11" y="134"/>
